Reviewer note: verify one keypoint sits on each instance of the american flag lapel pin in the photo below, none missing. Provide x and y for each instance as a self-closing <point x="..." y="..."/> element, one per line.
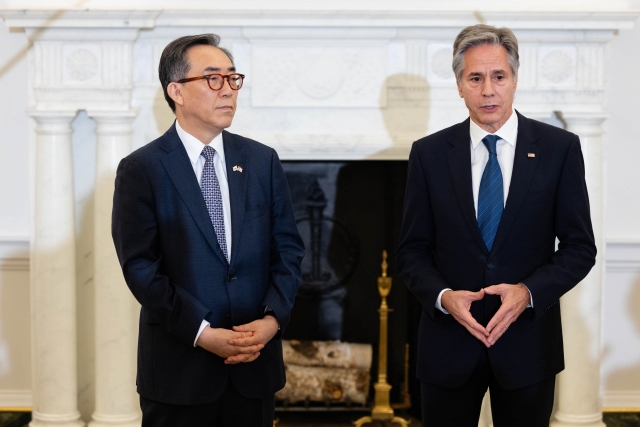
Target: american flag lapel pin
<point x="531" y="155"/>
<point x="237" y="169"/>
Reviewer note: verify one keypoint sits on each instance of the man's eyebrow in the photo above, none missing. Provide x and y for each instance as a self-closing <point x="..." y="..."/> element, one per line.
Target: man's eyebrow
<point x="218" y="69"/>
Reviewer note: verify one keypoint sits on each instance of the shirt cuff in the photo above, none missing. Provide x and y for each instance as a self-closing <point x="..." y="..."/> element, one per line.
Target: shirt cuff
<point x="530" y="296"/>
<point x="439" y="301"/>
<point x="203" y="325"/>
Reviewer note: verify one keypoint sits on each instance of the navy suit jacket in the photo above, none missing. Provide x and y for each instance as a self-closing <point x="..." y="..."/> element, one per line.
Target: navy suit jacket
<point x="441" y="247"/>
<point x="175" y="268"/>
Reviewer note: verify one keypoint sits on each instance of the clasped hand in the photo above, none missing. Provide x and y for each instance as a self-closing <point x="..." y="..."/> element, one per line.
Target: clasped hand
<point x="515" y="299"/>
<point x="242" y="344"/>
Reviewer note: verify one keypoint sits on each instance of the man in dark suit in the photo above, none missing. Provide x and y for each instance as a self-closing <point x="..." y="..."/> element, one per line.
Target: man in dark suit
<point x="485" y="201"/>
<point x="206" y="237"/>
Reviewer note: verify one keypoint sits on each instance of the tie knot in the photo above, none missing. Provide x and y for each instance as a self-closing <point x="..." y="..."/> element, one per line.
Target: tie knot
<point x="490" y="142"/>
<point x="208" y="152"/>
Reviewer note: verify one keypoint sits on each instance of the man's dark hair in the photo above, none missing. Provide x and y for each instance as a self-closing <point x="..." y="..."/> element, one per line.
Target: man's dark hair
<point x="173" y="62"/>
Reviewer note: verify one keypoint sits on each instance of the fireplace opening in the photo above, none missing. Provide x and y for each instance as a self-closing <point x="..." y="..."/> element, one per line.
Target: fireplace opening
<point x="347" y="213"/>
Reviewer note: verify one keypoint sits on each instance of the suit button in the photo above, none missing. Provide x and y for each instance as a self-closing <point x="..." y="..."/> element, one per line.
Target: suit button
<point x="490" y="266"/>
<point x="230" y="278"/>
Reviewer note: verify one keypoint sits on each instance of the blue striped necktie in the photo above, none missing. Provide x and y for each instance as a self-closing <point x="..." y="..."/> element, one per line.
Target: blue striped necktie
<point x="213" y="197"/>
<point x="491" y="194"/>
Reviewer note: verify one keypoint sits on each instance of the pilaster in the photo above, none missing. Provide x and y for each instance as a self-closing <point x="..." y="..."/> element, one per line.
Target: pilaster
<point x="578" y="399"/>
<point x="53" y="278"/>
<point x="116" y="398"/>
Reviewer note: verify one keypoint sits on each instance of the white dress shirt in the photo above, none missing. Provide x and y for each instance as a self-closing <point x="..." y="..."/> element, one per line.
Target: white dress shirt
<point x="194" y="150"/>
<point x="506" y="150"/>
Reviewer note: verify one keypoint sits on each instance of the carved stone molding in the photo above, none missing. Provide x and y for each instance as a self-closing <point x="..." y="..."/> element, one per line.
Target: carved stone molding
<point x="441" y="63"/>
<point x="557" y="65"/>
<point x="292" y="75"/>
<point x="81" y="59"/>
<point x="82" y="64"/>
<point x="322" y="146"/>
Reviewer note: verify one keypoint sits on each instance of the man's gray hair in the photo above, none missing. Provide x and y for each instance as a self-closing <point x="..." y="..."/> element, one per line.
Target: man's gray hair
<point x="173" y="61"/>
<point x="481" y="34"/>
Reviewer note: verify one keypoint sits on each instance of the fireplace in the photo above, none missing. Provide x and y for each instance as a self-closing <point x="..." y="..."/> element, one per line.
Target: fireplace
<point x="347" y="213"/>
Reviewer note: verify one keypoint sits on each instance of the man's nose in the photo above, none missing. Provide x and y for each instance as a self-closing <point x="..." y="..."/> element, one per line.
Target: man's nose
<point x="225" y="90"/>
<point x="487" y="87"/>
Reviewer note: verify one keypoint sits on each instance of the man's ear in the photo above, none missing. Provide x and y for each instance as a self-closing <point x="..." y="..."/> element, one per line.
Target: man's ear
<point x="175" y="92"/>
<point x="459" y="85"/>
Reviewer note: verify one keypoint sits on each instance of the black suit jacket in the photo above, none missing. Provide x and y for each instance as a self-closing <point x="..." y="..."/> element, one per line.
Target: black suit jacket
<point x="175" y="268"/>
<point x="441" y="247"/>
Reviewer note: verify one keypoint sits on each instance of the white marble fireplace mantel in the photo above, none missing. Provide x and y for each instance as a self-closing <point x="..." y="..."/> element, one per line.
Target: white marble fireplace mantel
<point x="357" y="81"/>
<point x="330" y="80"/>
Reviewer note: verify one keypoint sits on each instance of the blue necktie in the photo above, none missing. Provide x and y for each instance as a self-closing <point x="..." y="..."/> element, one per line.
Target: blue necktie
<point x="213" y="197"/>
<point x="491" y="194"/>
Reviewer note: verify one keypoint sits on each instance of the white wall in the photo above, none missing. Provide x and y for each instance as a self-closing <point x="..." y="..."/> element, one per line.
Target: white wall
<point x="14" y="216"/>
<point x="621" y="326"/>
<point x="15" y="367"/>
<point x="622" y="145"/>
<point x="621" y="365"/>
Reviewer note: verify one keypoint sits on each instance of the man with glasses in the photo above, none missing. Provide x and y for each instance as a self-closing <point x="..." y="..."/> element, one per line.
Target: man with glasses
<point x="206" y="237"/>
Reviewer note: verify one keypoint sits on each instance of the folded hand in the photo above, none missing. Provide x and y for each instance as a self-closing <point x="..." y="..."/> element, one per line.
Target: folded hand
<point x="256" y="333"/>
<point x="515" y="299"/>
<point x="458" y="304"/>
<point x="217" y="341"/>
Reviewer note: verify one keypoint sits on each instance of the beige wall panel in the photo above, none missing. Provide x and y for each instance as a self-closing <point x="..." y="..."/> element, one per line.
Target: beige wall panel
<point x="15" y="343"/>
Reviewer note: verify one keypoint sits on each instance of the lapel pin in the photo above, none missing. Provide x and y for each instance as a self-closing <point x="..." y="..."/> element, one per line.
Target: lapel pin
<point x="528" y="155"/>
<point x="237" y="169"/>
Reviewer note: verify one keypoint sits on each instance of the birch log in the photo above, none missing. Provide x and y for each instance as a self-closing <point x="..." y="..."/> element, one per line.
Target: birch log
<point x="323" y="371"/>
<point x="327" y="353"/>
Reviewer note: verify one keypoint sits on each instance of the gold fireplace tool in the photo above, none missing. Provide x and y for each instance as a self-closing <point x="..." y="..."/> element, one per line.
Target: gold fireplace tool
<point x="382" y="411"/>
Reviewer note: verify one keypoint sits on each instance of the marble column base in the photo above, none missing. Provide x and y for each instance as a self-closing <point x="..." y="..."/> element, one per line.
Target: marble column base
<point x="58" y="420"/>
<point x="486" y="419"/>
<point x="127" y="420"/>
<point x="567" y="420"/>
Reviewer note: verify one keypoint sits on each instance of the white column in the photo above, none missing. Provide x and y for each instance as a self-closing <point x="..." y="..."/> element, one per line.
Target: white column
<point x="116" y="329"/>
<point x="578" y="398"/>
<point x="486" y="420"/>
<point x="53" y="276"/>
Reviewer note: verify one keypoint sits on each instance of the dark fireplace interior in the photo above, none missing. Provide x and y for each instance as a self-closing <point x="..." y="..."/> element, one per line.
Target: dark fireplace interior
<point x="347" y="213"/>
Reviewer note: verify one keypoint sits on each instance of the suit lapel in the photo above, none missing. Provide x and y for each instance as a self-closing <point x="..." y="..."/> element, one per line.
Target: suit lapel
<point x="524" y="168"/>
<point x="180" y="170"/>
<point x="459" y="158"/>
<point x="234" y="156"/>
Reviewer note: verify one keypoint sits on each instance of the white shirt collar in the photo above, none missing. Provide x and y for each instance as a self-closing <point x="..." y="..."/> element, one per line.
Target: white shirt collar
<point x="508" y="131"/>
<point x="194" y="146"/>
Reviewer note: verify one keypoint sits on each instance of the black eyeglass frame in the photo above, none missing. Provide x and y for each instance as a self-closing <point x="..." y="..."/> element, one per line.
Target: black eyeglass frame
<point x="207" y="77"/>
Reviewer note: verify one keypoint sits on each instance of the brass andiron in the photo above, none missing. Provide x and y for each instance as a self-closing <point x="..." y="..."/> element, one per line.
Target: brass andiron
<point x="406" y="396"/>
<point x="382" y="410"/>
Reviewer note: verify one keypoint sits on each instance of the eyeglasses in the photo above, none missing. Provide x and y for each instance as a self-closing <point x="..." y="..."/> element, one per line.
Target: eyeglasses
<point x="216" y="81"/>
